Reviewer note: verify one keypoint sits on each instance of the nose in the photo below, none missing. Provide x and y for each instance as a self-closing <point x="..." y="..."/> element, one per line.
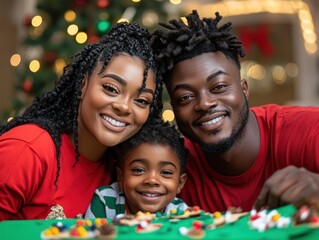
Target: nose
<point x="151" y="178"/>
<point x="205" y="101"/>
<point x="122" y="106"/>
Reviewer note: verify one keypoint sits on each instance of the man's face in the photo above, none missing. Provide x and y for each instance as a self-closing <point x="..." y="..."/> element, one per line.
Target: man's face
<point x="209" y="100"/>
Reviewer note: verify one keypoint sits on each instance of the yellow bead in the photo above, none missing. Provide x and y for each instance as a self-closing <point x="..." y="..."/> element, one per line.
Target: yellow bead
<point x="47" y="232"/>
<point x="173" y="211"/>
<point x="88" y="223"/>
<point x="55" y="230"/>
<point x="217" y="214"/>
<point x="82" y="231"/>
<point x="275" y="217"/>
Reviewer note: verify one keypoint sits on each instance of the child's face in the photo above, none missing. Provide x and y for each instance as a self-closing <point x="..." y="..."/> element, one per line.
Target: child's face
<point x="111" y="108"/>
<point x="150" y="178"/>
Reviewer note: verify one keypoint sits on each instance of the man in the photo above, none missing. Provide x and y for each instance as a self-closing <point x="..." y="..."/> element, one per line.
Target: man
<point x="239" y="157"/>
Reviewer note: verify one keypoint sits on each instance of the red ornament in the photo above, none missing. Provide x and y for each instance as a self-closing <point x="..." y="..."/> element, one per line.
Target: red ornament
<point x="27" y="85"/>
<point x="93" y="39"/>
<point x="80" y="3"/>
<point x="27" y="20"/>
<point x="50" y="57"/>
<point x="102" y="3"/>
<point x="258" y="36"/>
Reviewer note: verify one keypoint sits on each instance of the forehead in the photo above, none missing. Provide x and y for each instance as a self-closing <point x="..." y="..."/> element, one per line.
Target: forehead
<point x="153" y="154"/>
<point x="202" y="66"/>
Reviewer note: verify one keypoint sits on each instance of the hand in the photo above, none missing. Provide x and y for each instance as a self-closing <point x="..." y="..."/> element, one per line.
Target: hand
<point x="293" y="185"/>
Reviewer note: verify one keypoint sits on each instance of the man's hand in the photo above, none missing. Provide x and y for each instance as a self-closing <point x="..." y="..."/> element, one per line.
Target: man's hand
<point x="290" y="185"/>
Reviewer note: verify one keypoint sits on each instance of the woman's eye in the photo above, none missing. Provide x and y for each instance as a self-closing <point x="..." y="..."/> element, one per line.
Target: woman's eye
<point x="143" y="102"/>
<point x="110" y="88"/>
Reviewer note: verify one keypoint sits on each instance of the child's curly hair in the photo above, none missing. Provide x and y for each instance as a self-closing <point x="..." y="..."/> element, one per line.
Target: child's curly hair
<point x="158" y="132"/>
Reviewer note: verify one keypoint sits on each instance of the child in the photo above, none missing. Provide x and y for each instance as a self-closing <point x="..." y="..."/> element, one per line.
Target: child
<point x="150" y="173"/>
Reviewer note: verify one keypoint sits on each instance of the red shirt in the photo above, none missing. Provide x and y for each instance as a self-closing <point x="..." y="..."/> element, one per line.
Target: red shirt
<point x="28" y="171"/>
<point x="288" y="135"/>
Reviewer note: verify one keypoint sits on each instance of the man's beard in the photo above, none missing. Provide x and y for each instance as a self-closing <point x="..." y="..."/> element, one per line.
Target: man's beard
<point x="226" y="143"/>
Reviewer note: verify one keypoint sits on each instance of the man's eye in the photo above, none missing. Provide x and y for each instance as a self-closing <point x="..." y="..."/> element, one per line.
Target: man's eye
<point x="184" y="99"/>
<point x="218" y="88"/>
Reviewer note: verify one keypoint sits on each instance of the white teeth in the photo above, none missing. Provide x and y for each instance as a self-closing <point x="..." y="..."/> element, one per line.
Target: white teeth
<point x="151" y="194"/>
<point x="114" y="122"/>
<point x="213" y="121"/>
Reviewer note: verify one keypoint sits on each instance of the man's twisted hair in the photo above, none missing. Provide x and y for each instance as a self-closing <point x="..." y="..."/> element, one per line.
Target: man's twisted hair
<point x="57" y="110"/>
<point x="178" y="41"/>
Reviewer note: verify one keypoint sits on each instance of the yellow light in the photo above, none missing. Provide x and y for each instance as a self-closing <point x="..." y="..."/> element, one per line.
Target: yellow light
<point x="168" y="115"/>
<point x="73" y="29"/>
<point x="9" y="119"/>
<point x="175" y="1"/>
<point x="34" y="66"/>
<point x="15" y="60"/>
<point x="69" y="16"/>
<point x="279" y="74"/>
<point x="59" y="66"/>
<point x="136" y="1"/>
<point x="36" y="21"/>
<point x="81" y="37"/>
<point x="122" y="20"/>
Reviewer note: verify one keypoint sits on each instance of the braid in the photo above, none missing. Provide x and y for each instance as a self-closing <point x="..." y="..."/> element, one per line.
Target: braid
<point x="57" y="110"/>
<point x="177" y="41"/>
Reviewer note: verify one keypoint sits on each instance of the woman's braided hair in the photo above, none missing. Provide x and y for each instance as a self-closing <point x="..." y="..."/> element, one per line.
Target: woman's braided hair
<point x="177" y="41"/>
<point x="57" y="110"/>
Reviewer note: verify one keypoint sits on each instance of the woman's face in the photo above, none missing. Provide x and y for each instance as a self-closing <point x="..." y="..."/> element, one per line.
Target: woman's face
<point x="112" y="107"/>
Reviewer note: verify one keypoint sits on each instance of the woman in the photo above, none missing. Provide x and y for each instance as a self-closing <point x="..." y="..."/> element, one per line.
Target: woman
<point x="53" y="157"/>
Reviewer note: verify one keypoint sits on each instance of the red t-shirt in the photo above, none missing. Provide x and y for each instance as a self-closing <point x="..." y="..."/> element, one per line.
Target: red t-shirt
<point x="288" y="135"/>
<point x="28" y="169"/>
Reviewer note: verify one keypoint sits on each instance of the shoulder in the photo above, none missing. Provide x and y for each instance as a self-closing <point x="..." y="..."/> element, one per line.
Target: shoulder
<point x="276" y="111"/>
<point x="112" y="190"/>
<point x="27" y="133"/>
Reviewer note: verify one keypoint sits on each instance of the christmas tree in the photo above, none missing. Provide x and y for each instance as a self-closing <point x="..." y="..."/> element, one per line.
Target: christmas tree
<point x="60" y="28"/>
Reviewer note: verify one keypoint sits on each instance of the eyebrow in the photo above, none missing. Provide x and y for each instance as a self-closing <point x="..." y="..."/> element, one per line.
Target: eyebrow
<point x="124" y="82"/>
<point x="162" y="163"/>
<point x="208" y="79"/>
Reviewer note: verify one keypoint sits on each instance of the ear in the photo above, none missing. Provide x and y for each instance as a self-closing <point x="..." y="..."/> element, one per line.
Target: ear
<point x="182" y="180"/>
<point x="84" y="86"/>
<point x="119" y="174"/>
<point x="244" y="86"/>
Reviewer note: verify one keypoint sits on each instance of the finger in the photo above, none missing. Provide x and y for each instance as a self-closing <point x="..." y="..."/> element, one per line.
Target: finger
<point x="273" y="188"/>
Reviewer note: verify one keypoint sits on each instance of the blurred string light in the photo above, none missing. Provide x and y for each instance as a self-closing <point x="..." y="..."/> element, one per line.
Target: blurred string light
<point x="36" y="21"/>
<point x="168" y="115"/>
<point x="244" y="7"/>
<point x="128" y="15"/>
<point x="176" y="2"/>
<point x="69" y="16"/>
<point x="251" y="70"/>
<point x="34" y="66"/>
<point x="15" y="60"/>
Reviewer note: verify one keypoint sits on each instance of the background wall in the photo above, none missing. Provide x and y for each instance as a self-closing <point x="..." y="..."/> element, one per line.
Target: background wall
<point x="284" y="34"/>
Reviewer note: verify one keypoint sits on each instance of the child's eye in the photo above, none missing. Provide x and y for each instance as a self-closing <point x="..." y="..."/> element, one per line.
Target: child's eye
<point x="138" y="170"/>
<point x="167" y="173"/>
<point x="110" y="88"/>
